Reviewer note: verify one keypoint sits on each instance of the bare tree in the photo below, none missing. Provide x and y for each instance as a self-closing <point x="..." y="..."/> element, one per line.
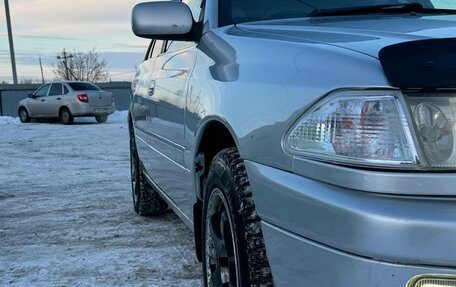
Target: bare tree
<point x="81" y="66"/>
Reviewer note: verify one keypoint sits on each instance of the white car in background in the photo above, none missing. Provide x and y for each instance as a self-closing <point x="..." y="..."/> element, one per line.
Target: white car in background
<point x="67" y="100"/>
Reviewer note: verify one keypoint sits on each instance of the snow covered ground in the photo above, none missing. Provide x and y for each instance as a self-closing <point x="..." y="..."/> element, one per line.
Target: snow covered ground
<point x="66" y="217"/>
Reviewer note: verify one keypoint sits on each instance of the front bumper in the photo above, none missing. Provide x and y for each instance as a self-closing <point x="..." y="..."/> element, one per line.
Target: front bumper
<point x="318" y="234"/>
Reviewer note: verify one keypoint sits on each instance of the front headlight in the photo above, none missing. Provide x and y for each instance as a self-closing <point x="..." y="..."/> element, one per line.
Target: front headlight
<point x="368" y="128"/>
<point x="379" y="128"/>
<point x="434" y="115"/>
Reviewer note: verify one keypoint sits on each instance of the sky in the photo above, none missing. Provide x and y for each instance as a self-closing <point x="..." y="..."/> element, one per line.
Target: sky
<point x="43" y="28"/>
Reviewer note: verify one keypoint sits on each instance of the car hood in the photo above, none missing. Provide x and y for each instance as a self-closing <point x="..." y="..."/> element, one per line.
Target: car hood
<point x="363" y="34"/>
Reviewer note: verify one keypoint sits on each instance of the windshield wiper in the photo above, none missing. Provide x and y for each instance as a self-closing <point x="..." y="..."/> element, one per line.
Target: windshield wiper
<point x="413" y="7"/>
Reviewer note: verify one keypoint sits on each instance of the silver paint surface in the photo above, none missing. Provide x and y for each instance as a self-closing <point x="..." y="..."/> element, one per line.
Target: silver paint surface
<point x="257" y="79"/>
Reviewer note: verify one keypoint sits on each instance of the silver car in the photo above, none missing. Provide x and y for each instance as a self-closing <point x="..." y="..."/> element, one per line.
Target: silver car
<point x="67" y="100"/>
<point x="306" y="143"/>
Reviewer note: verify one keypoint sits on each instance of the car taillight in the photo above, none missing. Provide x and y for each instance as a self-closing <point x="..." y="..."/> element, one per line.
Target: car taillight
<point x="83" y="98"/>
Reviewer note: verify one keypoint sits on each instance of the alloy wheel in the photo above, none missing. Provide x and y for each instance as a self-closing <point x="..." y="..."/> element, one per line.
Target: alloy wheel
<point x="222" y="267"/>
<point x="23" y="115"/>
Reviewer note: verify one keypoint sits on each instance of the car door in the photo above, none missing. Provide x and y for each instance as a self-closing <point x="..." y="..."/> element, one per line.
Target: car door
<point x="37" y="102"/>
<point x="54" y="100"/>
<point x="159" y="109"/>
<point x="171" y="74"/>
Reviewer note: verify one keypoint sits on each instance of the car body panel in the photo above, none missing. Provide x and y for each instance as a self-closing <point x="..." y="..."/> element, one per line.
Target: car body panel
<point x="297" y="261"/>
<point x="410" y="230"/>
<point x="365" y="33"/>
<point x="257" y="80"/>
<point x="161" y="92"/>
<point x="226" y="89"/>
<point x="34" y="105"/>
<point x="53" y="100"/>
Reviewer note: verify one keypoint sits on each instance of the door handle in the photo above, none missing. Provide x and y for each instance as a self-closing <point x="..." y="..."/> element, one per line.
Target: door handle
<point x="151" y="89"/>
<point x="59" y="99"/>
<point x="43" y="100"/>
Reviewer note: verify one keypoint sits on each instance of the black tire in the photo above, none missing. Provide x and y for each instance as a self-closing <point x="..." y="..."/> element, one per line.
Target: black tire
<point x="231" y="225"/>
<point x="101" y="119"/>
<point x="65" y="116"/>
<point x="146" y="201"/>
<point x="24" y="116"/>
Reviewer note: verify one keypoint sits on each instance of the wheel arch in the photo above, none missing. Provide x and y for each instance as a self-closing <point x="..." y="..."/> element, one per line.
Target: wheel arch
<point x="64" y="107"/>
<point x="23" y="107"/>
<point x="214" y="135"/>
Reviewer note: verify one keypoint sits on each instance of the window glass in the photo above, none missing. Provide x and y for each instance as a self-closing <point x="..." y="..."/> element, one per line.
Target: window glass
<point x="55" y="90"/>
<point x="65" y="90"/>
<point x="444" y="4"/>
<point x="240" y="11"/>
<point x="157" y="48"/>
<point x="42" y="92"/>
<point x="172" y="46"/>
<point x="76" y="86"/>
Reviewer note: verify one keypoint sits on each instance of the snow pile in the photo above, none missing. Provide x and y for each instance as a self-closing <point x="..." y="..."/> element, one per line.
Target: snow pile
<point x="67" y="218"/>
<point x="9" y="121"/>
<point x="118" y="117"/>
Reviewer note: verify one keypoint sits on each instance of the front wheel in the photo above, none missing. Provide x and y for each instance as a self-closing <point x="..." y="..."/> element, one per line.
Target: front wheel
<point x="24" y="116"/>
<point x="234" y="253"/>
<point x="101" y="119"/>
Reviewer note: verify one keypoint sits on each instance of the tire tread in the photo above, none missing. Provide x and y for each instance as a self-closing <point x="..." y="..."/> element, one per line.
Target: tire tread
<point x="150" y="202"/>
<point x="259" y="270"/>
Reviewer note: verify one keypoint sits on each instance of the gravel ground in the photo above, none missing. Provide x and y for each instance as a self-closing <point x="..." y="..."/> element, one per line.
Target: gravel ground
<point x="66" y="217"/>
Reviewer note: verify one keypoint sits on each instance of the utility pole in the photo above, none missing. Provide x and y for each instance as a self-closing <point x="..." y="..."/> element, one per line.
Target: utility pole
<point x="42" y="75"/>
<point x="64" y="57"/>
<point x="11" y="44"/>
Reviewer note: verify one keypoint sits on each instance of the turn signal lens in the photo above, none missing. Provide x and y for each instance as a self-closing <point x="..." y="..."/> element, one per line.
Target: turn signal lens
<point x="356" y="127"/>
<point x="432" y="281"/>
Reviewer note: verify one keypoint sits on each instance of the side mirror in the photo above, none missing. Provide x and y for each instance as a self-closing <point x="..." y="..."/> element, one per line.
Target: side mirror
<point x="163" y="20"/>
<point x="31" y="96"/>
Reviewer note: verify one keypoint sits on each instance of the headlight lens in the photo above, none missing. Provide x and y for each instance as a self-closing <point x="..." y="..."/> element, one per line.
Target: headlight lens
<point x="435" y="132"/>
<point x="357" y="127"/>
<point x="434" y="116"/>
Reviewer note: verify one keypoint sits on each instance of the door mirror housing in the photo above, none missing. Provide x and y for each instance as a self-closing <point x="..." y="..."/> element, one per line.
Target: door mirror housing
<point x="31" y="96"/>
<point x="163" y="20"/>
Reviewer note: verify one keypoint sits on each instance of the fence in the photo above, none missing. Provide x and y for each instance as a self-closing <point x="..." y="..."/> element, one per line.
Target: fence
<point x="11" y="95"/>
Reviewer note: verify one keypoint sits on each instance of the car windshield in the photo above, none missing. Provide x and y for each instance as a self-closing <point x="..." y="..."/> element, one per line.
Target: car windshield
<point x="241" y="11"/>
<point x="83" y="87"/>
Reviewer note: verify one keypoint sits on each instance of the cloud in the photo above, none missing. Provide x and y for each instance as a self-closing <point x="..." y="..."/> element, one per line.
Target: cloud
<point x="42" y="28"/>
<point x="46" y="37"/>
<point x="61" y="14"/>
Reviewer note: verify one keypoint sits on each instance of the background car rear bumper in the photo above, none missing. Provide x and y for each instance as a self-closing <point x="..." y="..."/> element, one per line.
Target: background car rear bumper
<point x="322" y="234"/>
<point x="81" y="110"/>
